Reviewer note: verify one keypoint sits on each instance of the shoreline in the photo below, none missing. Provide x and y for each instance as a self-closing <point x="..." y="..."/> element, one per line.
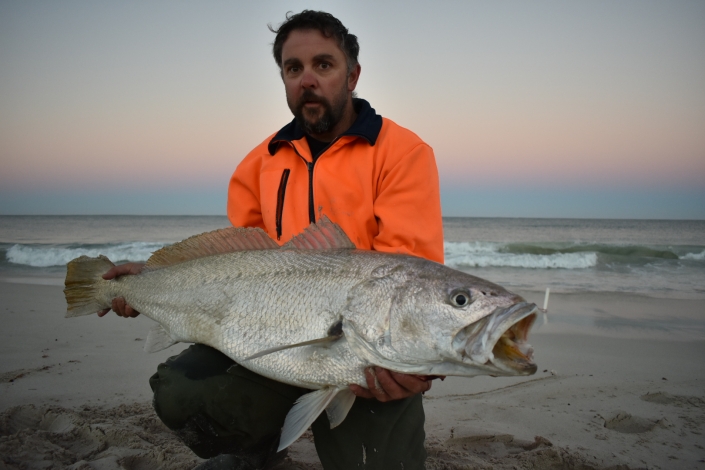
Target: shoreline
<point x="645" y="384"/>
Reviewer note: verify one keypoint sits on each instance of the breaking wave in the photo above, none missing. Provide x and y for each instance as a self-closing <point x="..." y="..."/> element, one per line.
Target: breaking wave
<point x="457" y="254"/>
<point x="483" y="255"/>
<point x="695" y="256"/>
<point x="41" y="256"/>
<point x="562" y="256"/>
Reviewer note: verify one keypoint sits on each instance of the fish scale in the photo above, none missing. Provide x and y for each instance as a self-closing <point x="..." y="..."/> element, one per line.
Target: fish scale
<point x="257" y="308"/>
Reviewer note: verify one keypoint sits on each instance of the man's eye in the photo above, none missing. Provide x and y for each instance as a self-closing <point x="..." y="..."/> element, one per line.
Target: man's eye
<point x="324" y="65"/>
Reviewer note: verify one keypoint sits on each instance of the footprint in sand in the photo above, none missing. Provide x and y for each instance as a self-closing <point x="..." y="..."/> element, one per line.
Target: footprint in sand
<point x="626" y="423"/>
<point x="664" y="398"/>
<point x="125" y="437"/>
<point x="11" y="376"/>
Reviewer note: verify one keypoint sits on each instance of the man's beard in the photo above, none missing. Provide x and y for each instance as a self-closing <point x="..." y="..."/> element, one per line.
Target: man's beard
<point x="332" y="112"/>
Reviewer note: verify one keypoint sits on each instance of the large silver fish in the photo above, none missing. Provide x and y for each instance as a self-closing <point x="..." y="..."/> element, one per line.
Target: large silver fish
<point x="340" y="308"/>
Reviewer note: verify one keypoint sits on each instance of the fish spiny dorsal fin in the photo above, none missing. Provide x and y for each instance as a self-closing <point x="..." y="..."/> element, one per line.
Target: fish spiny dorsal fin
<point x="323" y="235"/>
<point x="225" y="240"/>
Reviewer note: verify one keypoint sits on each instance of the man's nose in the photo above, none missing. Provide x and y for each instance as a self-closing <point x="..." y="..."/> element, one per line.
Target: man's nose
<point x="308" y="79"/>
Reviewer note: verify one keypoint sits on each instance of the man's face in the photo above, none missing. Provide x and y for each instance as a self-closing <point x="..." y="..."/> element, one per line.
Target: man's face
<point x="317" y="83"/>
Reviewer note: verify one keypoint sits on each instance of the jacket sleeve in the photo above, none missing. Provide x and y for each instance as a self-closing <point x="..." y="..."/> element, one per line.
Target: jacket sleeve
<point x="244" y="206"/>
<point x="408" y="206"/>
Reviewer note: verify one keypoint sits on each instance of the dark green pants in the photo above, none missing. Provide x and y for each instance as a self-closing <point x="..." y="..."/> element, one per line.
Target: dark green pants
<point x="219" y="409"/>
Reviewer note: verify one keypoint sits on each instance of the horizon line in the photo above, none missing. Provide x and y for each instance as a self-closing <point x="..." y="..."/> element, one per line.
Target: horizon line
<point x="444" y="217"/>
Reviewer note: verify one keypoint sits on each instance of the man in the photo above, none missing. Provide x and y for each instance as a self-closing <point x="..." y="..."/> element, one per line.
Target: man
<point x="375" y="179"/>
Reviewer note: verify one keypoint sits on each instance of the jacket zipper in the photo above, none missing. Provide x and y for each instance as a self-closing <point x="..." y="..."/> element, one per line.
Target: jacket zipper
<point x="311" y="210"/>
<point x="280" y="200"/>
<point x="309" y="165"/>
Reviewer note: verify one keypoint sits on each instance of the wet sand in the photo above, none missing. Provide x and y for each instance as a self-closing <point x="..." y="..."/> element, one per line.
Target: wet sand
<point x="617" y="387"/>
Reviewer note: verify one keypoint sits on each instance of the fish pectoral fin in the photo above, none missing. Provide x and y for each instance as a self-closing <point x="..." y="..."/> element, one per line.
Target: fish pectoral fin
<point x="304" y="412"/>
<point x="339" y="407"/>
<point x="327" y="339"/>
<point x="157" y="339"/>
<point x="331" y="338"/>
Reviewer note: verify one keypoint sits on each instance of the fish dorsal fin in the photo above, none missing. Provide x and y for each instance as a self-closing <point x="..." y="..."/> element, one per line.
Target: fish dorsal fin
<point x="224" y="240"/>
<point x="323" y="235"/>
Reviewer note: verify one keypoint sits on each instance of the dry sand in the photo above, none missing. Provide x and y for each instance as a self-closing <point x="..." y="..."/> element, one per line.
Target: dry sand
<point x="74" y="393"/>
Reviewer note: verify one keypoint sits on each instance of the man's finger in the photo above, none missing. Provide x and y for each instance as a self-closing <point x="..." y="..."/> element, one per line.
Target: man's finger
<point x="390" y="386"/>
<point x="112" y="272"/>
<point x="360" y="391"/>
<point x="130" y="312"/>
<point x="123" y="269"/>
<point x="412" y="383"/>
<point x="119" y="306"/>
<point x="374" y="386"/>
<point x="385" y="385"/>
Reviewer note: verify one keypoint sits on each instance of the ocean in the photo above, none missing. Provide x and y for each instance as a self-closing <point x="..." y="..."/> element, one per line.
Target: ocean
<point x="657" y="258"/>
<point x="661" y="259"/>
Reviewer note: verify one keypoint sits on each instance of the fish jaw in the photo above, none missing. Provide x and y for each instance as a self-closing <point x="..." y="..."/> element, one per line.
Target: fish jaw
<point x="498" y="342"/>
<point x="502" y="350"/>
<point x="512" y="353"/>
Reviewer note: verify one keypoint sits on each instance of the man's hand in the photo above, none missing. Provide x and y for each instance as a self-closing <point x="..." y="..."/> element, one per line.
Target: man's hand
<point x="390" y="385"/>
<point x="119" y="306"/>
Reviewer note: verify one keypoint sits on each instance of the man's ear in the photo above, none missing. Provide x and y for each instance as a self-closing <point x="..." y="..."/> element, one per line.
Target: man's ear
<point x="353" y="77"/>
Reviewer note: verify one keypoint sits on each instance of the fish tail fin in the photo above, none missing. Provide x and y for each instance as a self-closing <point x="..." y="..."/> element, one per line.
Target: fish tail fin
<point x="83" y="275"/>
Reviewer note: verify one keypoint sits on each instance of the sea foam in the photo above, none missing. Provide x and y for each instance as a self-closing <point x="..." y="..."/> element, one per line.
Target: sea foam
<point x="45" y="256"/>
<point x="694" y="256"/>
<point x="457" y="254"/>
<point x="486" y="254"/>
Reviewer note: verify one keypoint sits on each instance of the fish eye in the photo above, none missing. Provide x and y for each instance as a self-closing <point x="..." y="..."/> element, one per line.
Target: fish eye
<point x="459" y="298"/>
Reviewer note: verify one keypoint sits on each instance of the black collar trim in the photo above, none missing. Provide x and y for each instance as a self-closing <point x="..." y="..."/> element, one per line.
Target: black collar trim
<point x="367" y="125"/>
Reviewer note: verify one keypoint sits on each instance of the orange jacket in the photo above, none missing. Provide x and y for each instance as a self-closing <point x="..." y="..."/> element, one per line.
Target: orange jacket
<point x="378" y="181"/>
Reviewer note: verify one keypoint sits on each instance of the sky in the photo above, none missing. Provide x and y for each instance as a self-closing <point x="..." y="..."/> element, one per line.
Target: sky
<point x="533" y="109"/>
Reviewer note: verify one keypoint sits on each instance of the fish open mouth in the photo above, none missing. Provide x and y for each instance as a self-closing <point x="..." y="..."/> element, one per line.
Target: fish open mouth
<point x="499" y="341"/>
<point x="512" y="351"/>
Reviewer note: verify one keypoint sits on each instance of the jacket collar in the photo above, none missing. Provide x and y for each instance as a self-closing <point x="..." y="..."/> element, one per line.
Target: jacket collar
<point x="367" y="125"/>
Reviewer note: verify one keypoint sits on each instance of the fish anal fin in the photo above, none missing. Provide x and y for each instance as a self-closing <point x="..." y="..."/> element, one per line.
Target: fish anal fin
<point x="158" y="339"/>
<point x="323" y="235"/>
<point x="339" y="407"/>
<point x="304" y="412"/>
<point x="225" y="240"/>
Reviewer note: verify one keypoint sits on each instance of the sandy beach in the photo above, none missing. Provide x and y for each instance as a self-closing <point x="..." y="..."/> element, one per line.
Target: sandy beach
<point x="615" y="389"/>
